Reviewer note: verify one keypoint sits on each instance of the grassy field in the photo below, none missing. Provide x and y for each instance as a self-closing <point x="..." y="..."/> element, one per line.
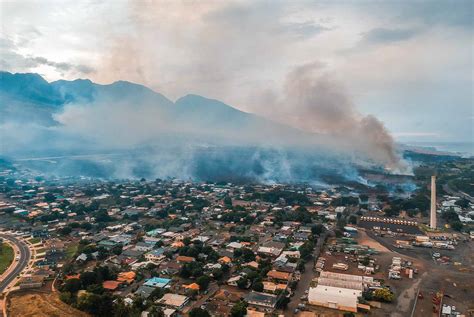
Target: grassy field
<point x="6" y="256"/>
<point x="35" y="240"/>
<point x="41" y="305"/>
<point x="71" y="250"/>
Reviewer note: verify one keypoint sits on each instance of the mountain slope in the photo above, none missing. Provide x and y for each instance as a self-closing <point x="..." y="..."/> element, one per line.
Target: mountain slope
<point x="28" y="97"/>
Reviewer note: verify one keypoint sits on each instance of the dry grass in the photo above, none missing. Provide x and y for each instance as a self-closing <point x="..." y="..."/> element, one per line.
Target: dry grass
<point x="41" y="305"/>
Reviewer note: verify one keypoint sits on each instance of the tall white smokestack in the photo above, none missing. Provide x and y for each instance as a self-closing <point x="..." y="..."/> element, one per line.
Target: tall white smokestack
<point x="433" y="203"/>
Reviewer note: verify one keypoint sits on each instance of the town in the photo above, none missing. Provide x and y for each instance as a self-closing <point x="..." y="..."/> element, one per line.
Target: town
<point x="85" y="247"/>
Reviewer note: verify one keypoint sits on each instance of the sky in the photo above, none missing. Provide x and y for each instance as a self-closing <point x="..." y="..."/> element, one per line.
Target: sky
<point x="408" y="63"/>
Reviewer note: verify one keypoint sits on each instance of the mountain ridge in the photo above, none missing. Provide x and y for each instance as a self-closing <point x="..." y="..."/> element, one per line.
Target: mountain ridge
<point x="193" y="112"/>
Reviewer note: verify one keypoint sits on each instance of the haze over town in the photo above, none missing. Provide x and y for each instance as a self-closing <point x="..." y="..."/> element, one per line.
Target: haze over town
<point x="408" y="64"/>
<point x="238" y="158"/>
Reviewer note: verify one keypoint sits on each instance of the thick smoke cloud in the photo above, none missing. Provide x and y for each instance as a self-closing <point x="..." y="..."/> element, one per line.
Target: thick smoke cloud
<point x="314" y="101"/>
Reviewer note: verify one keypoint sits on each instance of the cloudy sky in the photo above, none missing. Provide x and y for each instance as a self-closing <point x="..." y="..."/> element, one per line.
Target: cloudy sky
<point x="409" y="63"/>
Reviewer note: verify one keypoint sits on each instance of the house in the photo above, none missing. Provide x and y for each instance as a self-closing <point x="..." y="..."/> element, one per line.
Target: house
<point x="261" y="300"/>
<point x="155" y="232"/>
<point x="143" y="247"/>
<point x="151" y="240"/>
<point x="279" y="276"/>
<point x="107" y="244"/>
<point x="202" y="239"/>
<point x="175" y="301"/>
<point x="31" y="281"/>
<point x="334" y="297"/>
<point x="155" y="256"/>
<point x="132" y="253"/>
<point x="254" y="313"/>
<point x="291" y="254"/>
<point x="301" y="236"/>
<point x="126" y="277"/>
<point x="177" y="244"/>
<point x="234" y="245"/>
<point x="144" y="291"/>
<point x="269" y="251"/>
<point x="168" y="312"/>
<point x="169" y="267"/>
<point x="123" y="239"/>
<point x="157" y="282"/>
<point x="225" y="260"/>
<point x="192" y="286"/>
<point x="270" y="287"/>
<point x="111" y="285"/>
<point x="233" y="280"/>
<point x="252" y="264"/>
<point x="185" y="259"/>
<point x="81" y="258"/>
<point x="225" y="295"/>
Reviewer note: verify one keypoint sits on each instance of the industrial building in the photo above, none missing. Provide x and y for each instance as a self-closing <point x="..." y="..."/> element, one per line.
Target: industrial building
<point x="334" y="297"/>
<point x="339" y="291"/>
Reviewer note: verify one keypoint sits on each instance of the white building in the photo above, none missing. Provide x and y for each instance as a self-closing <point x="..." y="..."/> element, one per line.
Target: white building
<point x="334" y="297"/>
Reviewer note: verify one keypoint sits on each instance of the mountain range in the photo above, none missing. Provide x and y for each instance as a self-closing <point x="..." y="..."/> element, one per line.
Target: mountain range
<point x="126" y="130"/>
<point x="29" y="97"/>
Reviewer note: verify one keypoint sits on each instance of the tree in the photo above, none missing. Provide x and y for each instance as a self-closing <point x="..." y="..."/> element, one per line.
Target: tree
<point x="156" y="311"/>
<point x="96" y="305"/>
<point x="352" y="219"/>
<point x="65" y="231"/>
<point x="258" y="286"/>
<point x="102" y="216"/>
<point x="198" y="312"/>
<point x="248" y="255"/>
<point x="88" y="278"/>
<point x="243" y="282"/>
<point x="383" y="294"/>
<point x="217" y="273"/>
<point x="456" y="225"/>
<point x="283" y="300"/>
<point x="239" y="309"/>
<point x="203" y="282"/>
<point x="463" y="203"/>
<point x="66" y="297"/>
<point x="72" y="285"/>
<point x="317" y="229"/>
<point x="228" y="202"/>
<point x="392" y="211"/>
<point x="49" y="198"/>
<point x="450" y="216"/>
<point x="306" y="249"/>
<point x="95" y="288"/>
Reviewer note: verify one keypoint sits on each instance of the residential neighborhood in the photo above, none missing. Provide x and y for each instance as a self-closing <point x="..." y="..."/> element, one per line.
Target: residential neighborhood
<point x="177" y="248"/>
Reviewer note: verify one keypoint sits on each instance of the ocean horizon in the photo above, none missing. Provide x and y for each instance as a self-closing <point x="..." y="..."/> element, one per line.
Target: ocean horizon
<point x="465" y="149"/>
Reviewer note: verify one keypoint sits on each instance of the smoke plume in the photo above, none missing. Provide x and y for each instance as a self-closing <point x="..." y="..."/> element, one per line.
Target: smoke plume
<point x="313" y="100"/>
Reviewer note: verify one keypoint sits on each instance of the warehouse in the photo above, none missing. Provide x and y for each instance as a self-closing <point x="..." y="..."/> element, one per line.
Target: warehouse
<point x="334" y="297"/>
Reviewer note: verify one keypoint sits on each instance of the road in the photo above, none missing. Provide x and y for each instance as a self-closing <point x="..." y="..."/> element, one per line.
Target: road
<point x="19" y="265"/>
<point x="453" y="192"/>
<point x="306" y="277"/>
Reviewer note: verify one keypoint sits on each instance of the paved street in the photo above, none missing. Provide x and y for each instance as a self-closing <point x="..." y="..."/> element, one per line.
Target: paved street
<point x="19" y="265"/>
<point x="306" y="278"/>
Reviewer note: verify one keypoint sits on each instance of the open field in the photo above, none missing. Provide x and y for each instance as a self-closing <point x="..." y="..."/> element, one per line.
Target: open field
<point x="6" y="257"/>
<point x="71" y="250"/>
<point x="41" y="305"/>
<point x="35" y="240"/>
